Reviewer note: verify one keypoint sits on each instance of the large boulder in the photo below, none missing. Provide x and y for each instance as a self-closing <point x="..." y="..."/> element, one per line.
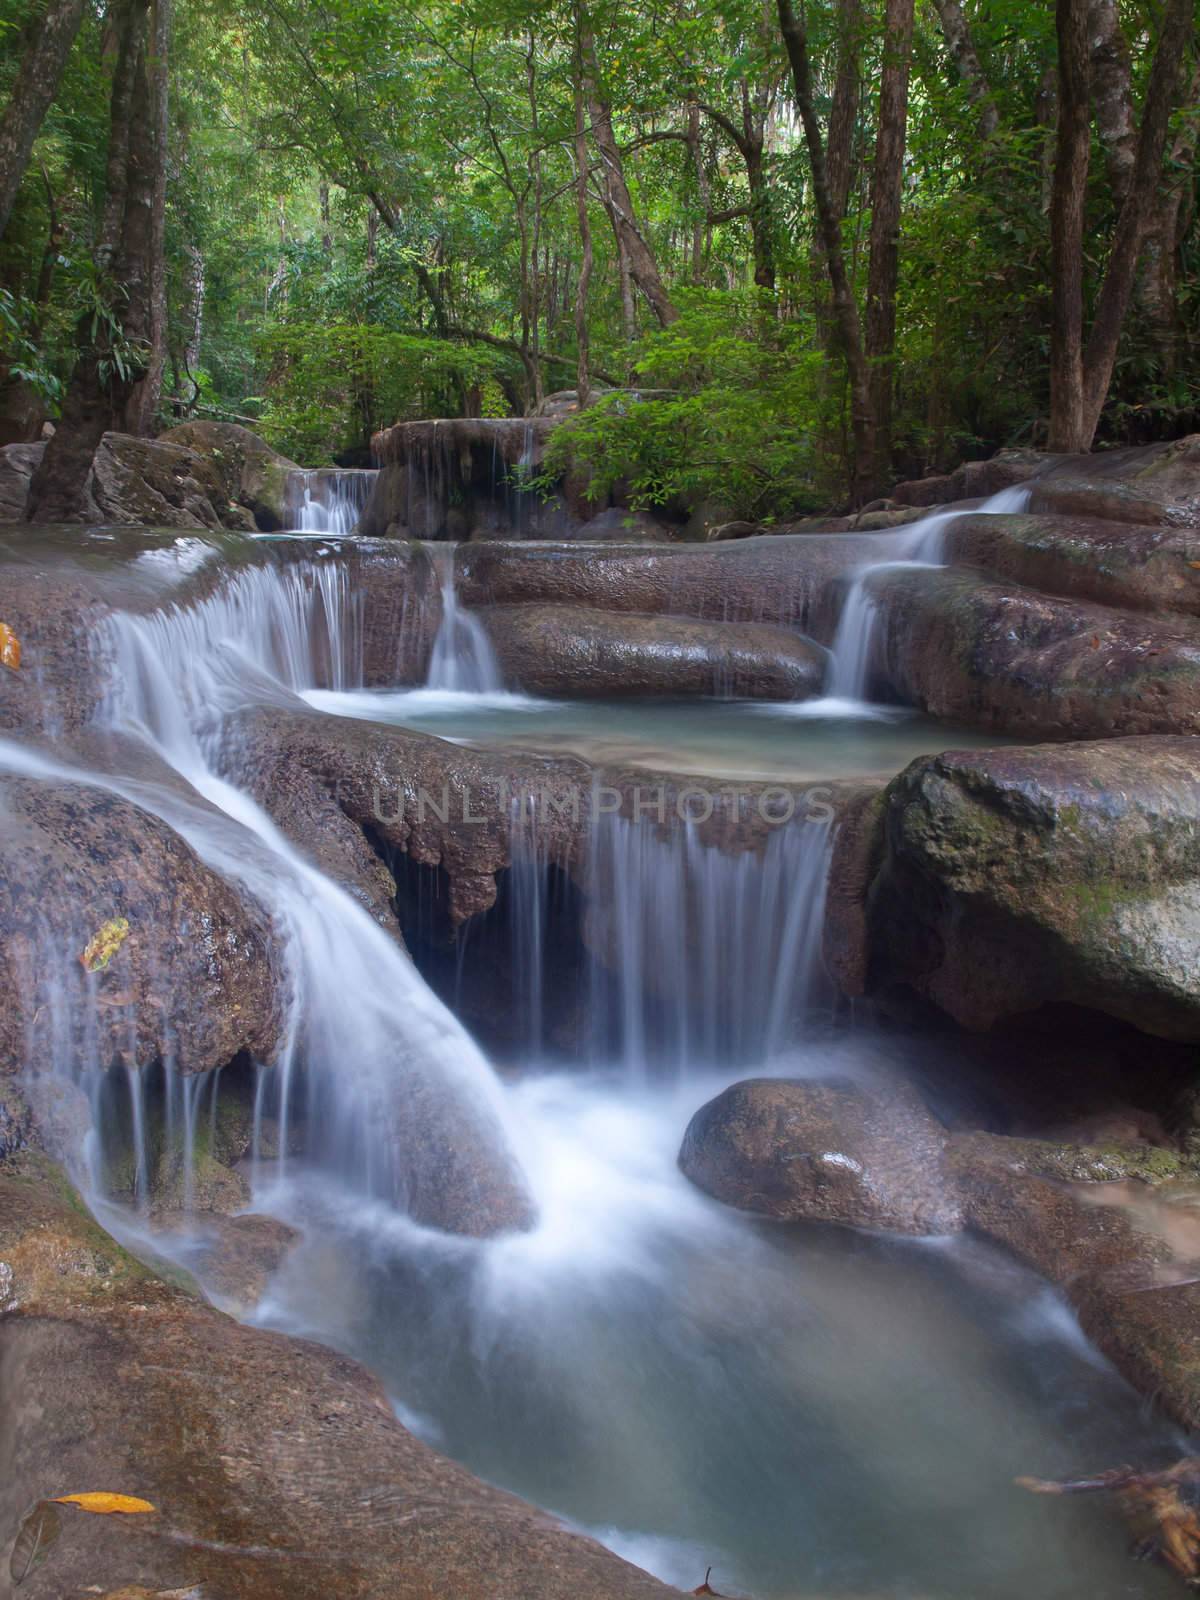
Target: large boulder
<point x="866" y="1154"/>
<point x="1107" y="1245"/>
<point x="996" y="656"/>
<point x="17" y="464"/>
<point x="1134" y="566"/>
<point x="276" y="1467"/>
<point x="973" y="479"/>
<point x="117" y="943"/>
<point x="251" y="473"/>
<point x="1156" y="484"/>
<point x="574" y="652"/>
<point x="1008" y="880"/>
<point x="149" y="483"/>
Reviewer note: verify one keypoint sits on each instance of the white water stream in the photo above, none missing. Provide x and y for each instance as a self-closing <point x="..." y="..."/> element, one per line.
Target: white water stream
<point x="812" y="1413"/>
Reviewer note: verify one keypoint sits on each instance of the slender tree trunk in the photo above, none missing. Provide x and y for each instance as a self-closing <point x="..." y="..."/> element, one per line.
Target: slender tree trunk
<point x="1067" y="208"/>
<point x="144" y="403"/>
<point x="50" y="35"/>
<point x="957" y="35"/>
<point x="108" y="365"/>
<point x="1100" y="354"/>
<point x="326" y="229"/>
<point x="761" y="239"/>
<point x="887" y="187"/>
<point x="839" y="149"/>
<point x="196" y="288"/>
<point x="1158" y="287"/>
<point x="642" y="264"/>
<point x="583" y="376"/>
<point x="1112" y="94"/>
<point x="844" y="309"/>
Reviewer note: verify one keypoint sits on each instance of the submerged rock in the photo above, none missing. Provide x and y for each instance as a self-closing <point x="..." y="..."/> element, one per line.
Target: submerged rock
<point x="1012" y="879"/>
<point x="574" y="652"/>
<point x="865" y="1154"/>
<point x="277" y="1468"/>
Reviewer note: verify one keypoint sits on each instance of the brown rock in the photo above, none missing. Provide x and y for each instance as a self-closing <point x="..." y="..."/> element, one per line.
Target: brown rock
<point x="572" y="652"/>
<point x="1012" y="879"/>
<point x="868" y="1155"/>
<point x="250" y="472"/>
<point x="277" y="1467"/>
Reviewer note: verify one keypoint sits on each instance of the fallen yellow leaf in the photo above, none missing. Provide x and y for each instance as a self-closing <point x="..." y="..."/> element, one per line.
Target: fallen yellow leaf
<point x="104" y="1505"/>
<point x="10" y="647"/>
<point x="104" y="944"/>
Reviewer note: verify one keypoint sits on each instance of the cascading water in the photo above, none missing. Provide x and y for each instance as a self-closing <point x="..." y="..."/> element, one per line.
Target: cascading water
<point x="329" y="499"/>
<point x="694" y="1388"/>
<point x="463" y="661"/>
<point x="920" y="544"/>
<point x="365" y="1040"/>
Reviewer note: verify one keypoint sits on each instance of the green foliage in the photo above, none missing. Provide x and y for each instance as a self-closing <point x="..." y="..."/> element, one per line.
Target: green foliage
<point x="740" y="431"/>
<point x="20" y="349"/>
<point x="331" y="385"/>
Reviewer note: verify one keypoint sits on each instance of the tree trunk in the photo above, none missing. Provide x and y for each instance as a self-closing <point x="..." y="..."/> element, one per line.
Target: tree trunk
<point x="887" y="186"/>
<point x="844" y="309"/>
<point x="966" y="63"/>
<point x="50" y="35"/>
<point x="1158" y="286"/>
<point x="1133" y="224"/>
<point x="144" y="403"/>
<point x="1112" y="92"/>
<point x="582" y="376"/>
<point x="196" y="289"/>
<point x="760" y="215"/>
<point x="642" y="264"/>
<point x="111" y="361"/>
<point x="1067" y="207"/>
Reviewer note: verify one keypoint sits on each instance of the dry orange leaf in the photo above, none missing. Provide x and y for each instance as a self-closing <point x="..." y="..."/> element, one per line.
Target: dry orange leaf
<point x="10" y="647"/>
<point x="104" y="1505"/>
<point x="1195" y="564"/>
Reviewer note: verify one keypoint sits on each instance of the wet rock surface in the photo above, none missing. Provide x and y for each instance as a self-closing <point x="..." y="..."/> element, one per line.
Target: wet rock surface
<point x="1011" y="879"/>
<point x="1135" y="567"/>
<point x="865" y="1154"/>
<point x="192" y="975"/>
<point x="277" y="1468"/>
<point x="574" y="652"/>
<point x="1157" y="485"/>
<point x="1029" y="665"/>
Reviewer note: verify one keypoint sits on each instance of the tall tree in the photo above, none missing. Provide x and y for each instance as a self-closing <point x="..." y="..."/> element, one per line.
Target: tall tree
<point x="50" y="33"/>
<point x="143" y="404"/>
<point x="1081" y="372"/>
<point x="887" y="186"/>
<point x="113" y="333"/>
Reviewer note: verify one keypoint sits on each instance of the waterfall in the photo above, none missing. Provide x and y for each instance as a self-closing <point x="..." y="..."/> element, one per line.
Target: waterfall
<point x="922" y="543"/>
<point x="367" y="1049"/>
<point x="697" y="958"/>
<point x="463" y="661"/>
<point x="328" y="499"/>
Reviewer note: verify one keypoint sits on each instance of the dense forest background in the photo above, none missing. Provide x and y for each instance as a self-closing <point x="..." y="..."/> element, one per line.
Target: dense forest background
<point x="838" y="245"/>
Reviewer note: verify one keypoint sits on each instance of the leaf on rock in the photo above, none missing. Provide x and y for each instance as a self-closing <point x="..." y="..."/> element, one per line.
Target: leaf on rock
<point x="102" y="1504"/>
<point x="104" y="944"/>
<point x="38" y="1532"/>
<point x="10" y="647"/>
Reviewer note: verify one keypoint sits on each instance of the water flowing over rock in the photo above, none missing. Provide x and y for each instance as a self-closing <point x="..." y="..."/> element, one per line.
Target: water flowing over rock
<point x="327" y="499"/>
<point x="193" y="981"/>
<point x="868" y="1155"/>
<point x="576" y="652"/>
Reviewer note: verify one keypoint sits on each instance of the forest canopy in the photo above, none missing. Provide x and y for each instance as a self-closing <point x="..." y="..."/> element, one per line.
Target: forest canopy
<point x="833" y="245"/>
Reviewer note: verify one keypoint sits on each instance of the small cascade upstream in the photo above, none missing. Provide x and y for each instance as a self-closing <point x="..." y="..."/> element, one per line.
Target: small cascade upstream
<point x="329" y="499"/>
<point x="463" y="661"/>
<point x="920" y="544"/>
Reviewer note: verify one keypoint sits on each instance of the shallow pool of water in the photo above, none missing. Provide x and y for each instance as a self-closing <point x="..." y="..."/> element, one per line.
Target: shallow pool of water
<point x="796" y="741"/>
<point x="810" y="1411"/>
